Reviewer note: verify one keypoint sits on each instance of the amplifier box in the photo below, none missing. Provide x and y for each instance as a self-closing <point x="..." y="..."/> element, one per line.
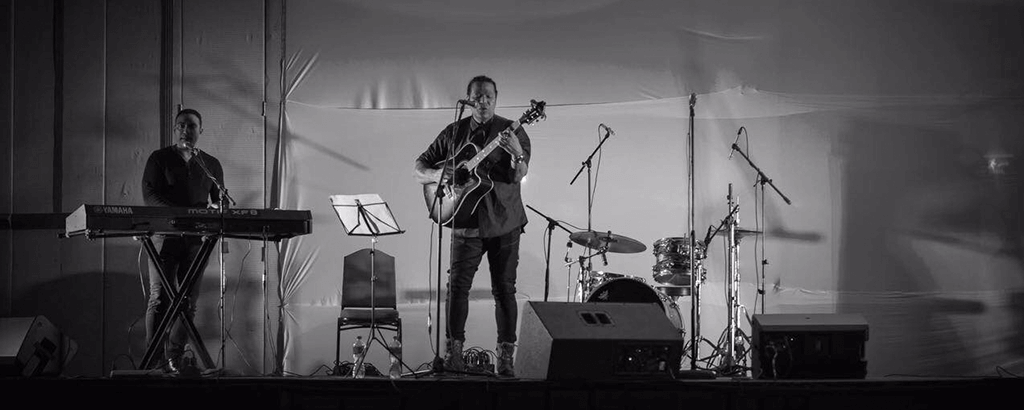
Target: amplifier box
<point x="809" y="346"/>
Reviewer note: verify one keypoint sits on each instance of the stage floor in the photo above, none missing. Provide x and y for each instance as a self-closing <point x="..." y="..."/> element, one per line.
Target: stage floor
<point x="451" y="392"/>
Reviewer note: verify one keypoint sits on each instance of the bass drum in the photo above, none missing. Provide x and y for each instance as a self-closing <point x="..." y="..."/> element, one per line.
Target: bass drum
<point x="629" y="290"/>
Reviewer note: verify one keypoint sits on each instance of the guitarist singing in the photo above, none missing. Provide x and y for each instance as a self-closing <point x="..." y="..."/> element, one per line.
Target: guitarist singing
<point x="492" y="226"/>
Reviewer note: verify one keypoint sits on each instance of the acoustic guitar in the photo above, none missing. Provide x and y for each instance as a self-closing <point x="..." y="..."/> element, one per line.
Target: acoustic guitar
<point x="465" y="184"/>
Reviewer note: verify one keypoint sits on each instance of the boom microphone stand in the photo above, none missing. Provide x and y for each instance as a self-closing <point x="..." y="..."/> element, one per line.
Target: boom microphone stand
<point x="590" y="197"/>
<point x="547" y="255"/>
<point x="762" y="179"/>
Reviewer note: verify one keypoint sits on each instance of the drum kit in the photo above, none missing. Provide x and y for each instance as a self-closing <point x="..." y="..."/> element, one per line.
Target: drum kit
<point x="601" y="286"/>
<point x="678" y="271"/>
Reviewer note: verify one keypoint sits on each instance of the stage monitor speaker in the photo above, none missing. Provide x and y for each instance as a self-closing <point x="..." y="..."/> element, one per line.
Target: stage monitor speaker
<point x="809" y="346"/>
<point x="564" y="340"/>
<point x="32" y="346"/>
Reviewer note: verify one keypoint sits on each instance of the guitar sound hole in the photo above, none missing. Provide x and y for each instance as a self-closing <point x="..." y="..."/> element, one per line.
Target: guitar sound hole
<point x="461" y="176"/>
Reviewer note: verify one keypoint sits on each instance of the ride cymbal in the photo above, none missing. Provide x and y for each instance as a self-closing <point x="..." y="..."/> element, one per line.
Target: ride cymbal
<point x="607" y="241"/>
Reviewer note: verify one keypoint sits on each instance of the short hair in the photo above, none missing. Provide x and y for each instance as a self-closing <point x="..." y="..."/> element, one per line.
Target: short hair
<point x="481" y="79"/>
<point x="187" y="111"/>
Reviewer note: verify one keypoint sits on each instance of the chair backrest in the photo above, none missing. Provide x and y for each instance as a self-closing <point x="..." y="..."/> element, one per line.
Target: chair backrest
<point x="355" y="283"/>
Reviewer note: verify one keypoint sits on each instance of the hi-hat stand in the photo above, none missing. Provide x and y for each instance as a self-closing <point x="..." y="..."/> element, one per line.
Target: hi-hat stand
<point x="730" y="344"/>
<point x="367" y="215"/>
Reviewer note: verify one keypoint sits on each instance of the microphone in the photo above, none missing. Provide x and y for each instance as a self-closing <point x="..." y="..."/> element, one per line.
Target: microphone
<point x="604" y="258"/>
<point x="190" y="147"/>
<point x="693" y="99"/>
<point x="470" y="103"/>
<point x="733" y="149"/>
<point x="607" y="128"/>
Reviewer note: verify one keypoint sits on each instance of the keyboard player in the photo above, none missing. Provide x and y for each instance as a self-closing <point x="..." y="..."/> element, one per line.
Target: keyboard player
<point x="177" y="176"/>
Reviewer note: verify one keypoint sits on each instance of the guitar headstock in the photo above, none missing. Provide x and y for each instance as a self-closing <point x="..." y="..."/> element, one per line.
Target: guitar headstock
<point x="534" y="114"/>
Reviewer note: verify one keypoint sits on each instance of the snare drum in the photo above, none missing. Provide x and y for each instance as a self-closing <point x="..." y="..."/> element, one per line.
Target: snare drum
<point x="629" y="290"/>
<point x="673" y="260"/>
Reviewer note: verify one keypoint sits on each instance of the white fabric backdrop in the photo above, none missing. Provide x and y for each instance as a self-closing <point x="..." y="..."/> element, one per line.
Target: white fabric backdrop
<point x="893" y="127"/>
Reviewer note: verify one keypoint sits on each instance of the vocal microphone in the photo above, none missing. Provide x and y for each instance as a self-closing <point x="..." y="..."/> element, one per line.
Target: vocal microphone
<point x="470" y="103"/>
<point x="190" y="147"/>
<point x="693" y="99"/>
<point x="734" y="147"/>
<point x="607" y="128"/>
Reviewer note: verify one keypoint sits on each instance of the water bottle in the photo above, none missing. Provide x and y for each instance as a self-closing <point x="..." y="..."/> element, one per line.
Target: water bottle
<point x="358" y="360"/>
<point x="395" y="371"/>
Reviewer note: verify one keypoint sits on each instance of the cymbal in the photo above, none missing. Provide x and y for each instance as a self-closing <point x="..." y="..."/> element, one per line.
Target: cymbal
<point x="740" y="232"/>
<point x="613" y="242"/>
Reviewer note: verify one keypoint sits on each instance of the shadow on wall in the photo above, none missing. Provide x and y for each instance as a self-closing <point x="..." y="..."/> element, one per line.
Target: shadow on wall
<point x="105" y="314"/>
<point x="931" y="236"/>
<point x="75" y="305"/>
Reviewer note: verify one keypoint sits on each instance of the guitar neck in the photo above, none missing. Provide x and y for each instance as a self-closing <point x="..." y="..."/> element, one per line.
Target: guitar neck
<point x="485" y="151"/>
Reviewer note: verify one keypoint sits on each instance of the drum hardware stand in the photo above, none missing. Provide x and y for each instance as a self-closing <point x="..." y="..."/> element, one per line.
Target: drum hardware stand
<point x="712" y="232"/>
<point x="569" y="294"/>
<point x="762" y="179"/>
<point x="726" y="348"/>
<point x="547" y="254"/>
<point x="586" y="266"/>
<point x="732" y="296"/>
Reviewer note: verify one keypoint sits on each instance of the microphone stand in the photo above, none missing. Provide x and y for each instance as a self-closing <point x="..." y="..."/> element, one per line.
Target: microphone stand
<point x="695" y="284"/>
<point x="437" y="365"/>
<point x="222" y="202"/>
<point x="590" y="199"/>
<point x="707" y="239"/>
<point x="761" y="180"/>
<point x="547" y="255"/>
<point x="587" y="164"/>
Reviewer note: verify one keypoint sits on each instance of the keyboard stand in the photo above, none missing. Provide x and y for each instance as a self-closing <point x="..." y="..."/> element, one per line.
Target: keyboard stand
<point x="195" y="271"/>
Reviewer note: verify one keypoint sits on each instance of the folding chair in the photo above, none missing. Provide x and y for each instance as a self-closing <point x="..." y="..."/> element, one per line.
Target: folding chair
<point x="357" y="311"/>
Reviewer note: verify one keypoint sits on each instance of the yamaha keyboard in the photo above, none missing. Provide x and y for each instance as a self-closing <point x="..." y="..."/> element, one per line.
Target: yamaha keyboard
<point x="104" y="221"/>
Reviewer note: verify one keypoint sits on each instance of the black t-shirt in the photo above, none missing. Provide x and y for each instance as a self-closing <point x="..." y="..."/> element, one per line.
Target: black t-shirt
<point x="500" y="211"/>
<point x="169" y="181"/>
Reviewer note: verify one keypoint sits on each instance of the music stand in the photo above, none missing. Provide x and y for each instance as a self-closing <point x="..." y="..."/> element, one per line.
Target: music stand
<point x="367" y="215"/>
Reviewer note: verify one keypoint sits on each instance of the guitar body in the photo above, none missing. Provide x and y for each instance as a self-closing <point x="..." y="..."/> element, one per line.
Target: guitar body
<point x="462" y="190"/>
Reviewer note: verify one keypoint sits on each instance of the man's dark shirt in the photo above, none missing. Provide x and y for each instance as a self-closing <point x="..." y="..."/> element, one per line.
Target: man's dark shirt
<point x="170" y="181"/>
<point x="501" y="210"/>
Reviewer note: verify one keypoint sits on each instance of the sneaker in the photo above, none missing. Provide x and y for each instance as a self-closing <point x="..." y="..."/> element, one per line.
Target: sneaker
<point x="173" y="366"/>
<point x="182" y="367"/>
<point x="453" y="356"/>
<point x="506" y="352"/>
